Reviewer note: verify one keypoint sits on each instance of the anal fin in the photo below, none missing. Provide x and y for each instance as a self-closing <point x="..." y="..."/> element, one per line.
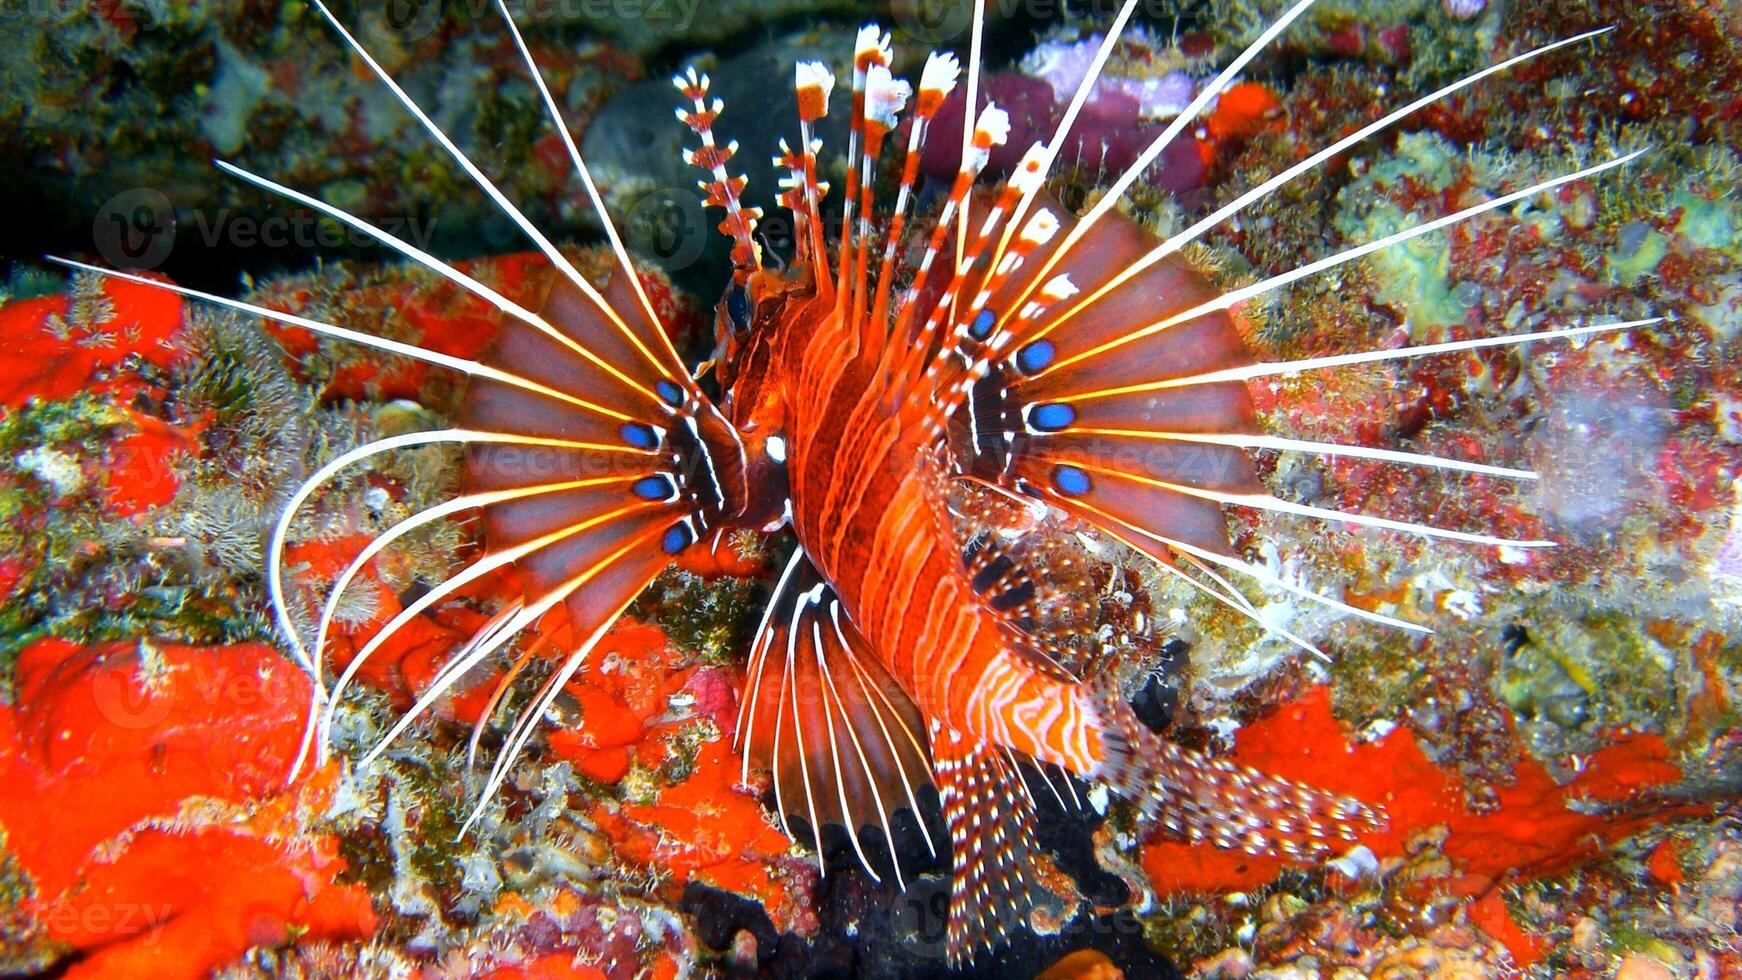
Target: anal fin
<point x="991" y="819"/>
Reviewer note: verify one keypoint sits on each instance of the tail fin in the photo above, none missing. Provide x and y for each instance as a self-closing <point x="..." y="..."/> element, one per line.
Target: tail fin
<point x="1227" y="805"/>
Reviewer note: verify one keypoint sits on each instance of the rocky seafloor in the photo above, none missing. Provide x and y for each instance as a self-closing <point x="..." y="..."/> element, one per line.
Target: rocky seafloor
<point x="1559" y="759"/>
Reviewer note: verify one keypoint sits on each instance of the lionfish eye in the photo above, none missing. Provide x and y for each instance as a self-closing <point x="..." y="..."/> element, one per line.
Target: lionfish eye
<point x="738" y="308"/>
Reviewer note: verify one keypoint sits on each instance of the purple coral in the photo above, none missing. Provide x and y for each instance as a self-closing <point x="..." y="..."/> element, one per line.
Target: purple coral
<point x="1463" y="9"/>
<point x="1108" y="135"/>
<point x="1033" y="114"/>
<point x="1063" y="65"/>
<point x="1119" y="120"/>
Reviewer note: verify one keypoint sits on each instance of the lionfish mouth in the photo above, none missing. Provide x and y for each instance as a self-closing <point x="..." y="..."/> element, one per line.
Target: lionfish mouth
<point x="1012" y="351"/>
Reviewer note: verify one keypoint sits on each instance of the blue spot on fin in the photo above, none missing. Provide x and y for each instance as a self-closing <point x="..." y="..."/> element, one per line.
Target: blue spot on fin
<point x="1035" y="357"/>
<point x="1052" y="416"/>
<point x="981" y="328"/>
<point x="677" y="538"/>
<point x="653" y="487"/>
<point x="1070" y="481"/>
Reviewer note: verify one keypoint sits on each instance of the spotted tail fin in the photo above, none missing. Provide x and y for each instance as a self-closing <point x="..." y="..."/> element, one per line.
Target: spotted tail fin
<point x="1219" y="802"/>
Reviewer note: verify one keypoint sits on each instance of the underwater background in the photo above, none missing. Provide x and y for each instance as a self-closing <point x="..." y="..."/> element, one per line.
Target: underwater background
<point x="1560" y="759"/>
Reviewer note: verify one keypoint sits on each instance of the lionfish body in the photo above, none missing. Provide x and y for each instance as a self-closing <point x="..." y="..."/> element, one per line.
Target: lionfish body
<point x="1006" y="345"/>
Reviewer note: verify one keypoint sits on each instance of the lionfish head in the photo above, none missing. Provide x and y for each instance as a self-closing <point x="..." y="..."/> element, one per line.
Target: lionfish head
<point x="748" y="320"/>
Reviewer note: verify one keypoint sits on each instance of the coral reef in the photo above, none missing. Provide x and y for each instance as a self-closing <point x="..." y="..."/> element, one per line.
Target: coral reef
<point x="132" y="775"/>
<point x="103" y="112"/>
<point x="1143" y="87"/>
<point x="1558" y="758"/>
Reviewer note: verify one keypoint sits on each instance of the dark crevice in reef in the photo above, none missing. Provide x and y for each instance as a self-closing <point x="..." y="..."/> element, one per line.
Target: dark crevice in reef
<point x="868" y="929"/>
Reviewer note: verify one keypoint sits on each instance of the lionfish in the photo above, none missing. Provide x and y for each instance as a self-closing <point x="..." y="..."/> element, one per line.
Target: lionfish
<point x="1028" y="350"/>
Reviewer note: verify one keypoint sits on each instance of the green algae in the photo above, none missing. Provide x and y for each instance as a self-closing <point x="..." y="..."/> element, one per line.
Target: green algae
<point x="1632" y="261"/>
<point x="1414" y="276"/>
<point x="712" y="620"/>
<point x="1425" y="158"/>
<point x="83" y="417"/>
<point x="1714" y="224"/>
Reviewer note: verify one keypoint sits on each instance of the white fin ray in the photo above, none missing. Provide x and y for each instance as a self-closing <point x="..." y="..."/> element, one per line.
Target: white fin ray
<point x="1262" y="501"/>
<point x="1276" y="368"/>
<point x="1021" y="780"/>
<point x="1236" y="296"/>
<point x="1111" y="197"/>
<point x="500" y="694"/>
<point x="459" y="580"/>
<point x="586" y="175"/>
<point x="469" y="283"/>
<point x="1282" y="444"/>
<point x="912" y="737"/>
<point x="1263" y="190"/>
<point x="464" y="366"/>
<point x="1282" y="178"/>
<point x="970" y="116"/>
<point x="1046" y="778"/>
<point x="1079" y="98"/>
<point x="747" y="706"/>
<point x="791" y="688"/>
<point x="527" y="723"/>
<point x="672" y="371"/>
<point x="1231" y="597"/>
<point x="1111" y="523"/>
<point x="428" y="515"/>
<point x="822" y="681"/>
<point x="281" y="532"/>
<point x="497" y="632"/>
<point x="832" y="700"/>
